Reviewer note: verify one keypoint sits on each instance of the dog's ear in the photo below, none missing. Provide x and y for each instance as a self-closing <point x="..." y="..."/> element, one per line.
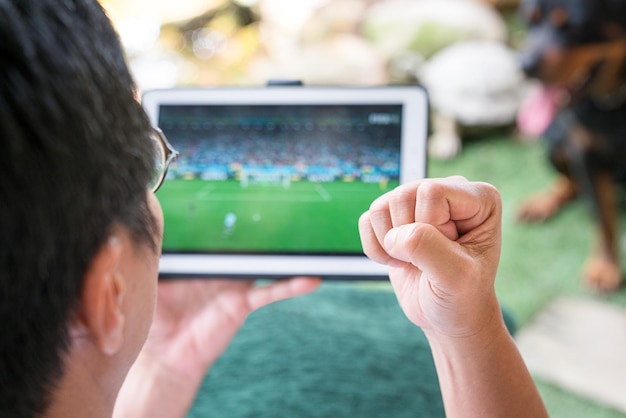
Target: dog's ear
<point x="583" y="14"/>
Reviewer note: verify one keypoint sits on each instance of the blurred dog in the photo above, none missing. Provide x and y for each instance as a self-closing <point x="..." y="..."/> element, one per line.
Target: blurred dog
<point x="577" y="49"/>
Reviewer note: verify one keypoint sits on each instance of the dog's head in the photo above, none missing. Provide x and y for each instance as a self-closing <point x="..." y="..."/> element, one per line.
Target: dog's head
<point x="576" y="44"/>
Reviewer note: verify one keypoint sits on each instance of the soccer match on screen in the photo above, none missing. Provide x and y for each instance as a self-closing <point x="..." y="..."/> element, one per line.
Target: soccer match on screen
<point x="291" y="179"/>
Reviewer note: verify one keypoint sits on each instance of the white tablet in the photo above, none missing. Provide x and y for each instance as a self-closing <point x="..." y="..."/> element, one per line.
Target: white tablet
<point x="271" y="181"/>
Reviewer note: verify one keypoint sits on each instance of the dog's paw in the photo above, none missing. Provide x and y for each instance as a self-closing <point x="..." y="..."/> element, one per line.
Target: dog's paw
<point x="602" y="275"/>
<point x="539" y="208"/>
<point x="547" y="203"/>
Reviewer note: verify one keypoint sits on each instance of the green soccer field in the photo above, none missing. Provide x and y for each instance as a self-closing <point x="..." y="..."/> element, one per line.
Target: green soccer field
<point x="303" y="217"/>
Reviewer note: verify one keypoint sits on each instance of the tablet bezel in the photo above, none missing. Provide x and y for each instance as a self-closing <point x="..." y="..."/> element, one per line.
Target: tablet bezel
<point x="413" y="166"/>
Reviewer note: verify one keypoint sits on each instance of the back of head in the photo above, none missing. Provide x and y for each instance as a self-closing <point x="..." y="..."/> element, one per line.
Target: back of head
<point x="74" y="163"/>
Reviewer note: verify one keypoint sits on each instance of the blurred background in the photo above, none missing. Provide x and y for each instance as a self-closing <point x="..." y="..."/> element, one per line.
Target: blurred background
<point x="246" y="42"/>
<point x="463" y="51"/>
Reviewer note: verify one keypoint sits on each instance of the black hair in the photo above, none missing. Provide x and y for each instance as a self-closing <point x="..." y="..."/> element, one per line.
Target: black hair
<point x="75" y="159"/>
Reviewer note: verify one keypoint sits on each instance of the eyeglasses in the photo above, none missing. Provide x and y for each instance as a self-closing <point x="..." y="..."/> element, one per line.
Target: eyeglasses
<point x="164" y="155"/>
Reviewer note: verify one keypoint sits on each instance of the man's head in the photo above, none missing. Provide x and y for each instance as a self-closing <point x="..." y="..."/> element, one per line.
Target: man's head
<point x="74" y="164"/>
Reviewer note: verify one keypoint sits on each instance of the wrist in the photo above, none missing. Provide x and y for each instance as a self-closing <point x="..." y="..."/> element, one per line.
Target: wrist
<point x="470" y="324"/>
<point x="482" y="374"/>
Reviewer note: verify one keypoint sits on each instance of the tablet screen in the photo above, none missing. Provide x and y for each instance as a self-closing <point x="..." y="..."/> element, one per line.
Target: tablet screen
<point x="267" y="179"/>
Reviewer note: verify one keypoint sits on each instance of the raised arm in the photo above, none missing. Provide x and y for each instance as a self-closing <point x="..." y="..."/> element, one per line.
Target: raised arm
<point x="441" y="239"/>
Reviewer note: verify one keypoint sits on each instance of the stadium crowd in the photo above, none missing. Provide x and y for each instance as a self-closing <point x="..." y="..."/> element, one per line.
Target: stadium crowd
<point x="314" y="155"/>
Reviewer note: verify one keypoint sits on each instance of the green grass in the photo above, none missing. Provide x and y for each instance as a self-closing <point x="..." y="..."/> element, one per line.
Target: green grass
<point x="539" y="262"/>
<point x="304" y="216"/>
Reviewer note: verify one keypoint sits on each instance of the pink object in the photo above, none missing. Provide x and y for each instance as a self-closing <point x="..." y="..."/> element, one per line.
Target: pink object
<point x="537" y="111"/>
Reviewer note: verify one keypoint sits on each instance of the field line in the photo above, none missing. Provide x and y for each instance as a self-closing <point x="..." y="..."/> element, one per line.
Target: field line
<point x="204" y="192"/>
<point x="323" y="193"/>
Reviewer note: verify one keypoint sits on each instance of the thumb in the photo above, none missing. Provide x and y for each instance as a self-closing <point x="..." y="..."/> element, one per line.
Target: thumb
<point x="429" y="250"/>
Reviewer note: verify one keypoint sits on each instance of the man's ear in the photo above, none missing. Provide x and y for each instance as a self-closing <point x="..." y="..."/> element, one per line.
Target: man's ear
<point x="102" y="297"/>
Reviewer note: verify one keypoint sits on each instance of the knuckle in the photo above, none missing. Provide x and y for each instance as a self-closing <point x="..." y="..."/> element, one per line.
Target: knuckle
<point x="402" y="195"/>
<point x="379" y="205"/>
<point x="364" y="220"/>
<point x="431" y="190"/>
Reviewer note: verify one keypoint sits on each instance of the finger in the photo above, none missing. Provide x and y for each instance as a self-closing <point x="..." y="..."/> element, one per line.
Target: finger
<point x="454" y="205"/>
<point x="284" y="289"/>
<point x="433" y="207"/>
<point x="402" y="203"/>
<point x="379" y="217"/>
<point x="429" y="250"/>
<point x="372" y="245"/>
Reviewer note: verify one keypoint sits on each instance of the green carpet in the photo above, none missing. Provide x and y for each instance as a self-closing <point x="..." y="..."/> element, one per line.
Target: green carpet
<point x="343" y="351"/>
